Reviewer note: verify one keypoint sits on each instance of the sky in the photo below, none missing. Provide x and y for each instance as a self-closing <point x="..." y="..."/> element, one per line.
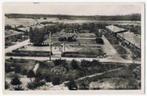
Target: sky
<point x="73" y="8"/>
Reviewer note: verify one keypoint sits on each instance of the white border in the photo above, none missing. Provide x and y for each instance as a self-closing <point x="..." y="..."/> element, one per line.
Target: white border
<point x="38" y="93"/>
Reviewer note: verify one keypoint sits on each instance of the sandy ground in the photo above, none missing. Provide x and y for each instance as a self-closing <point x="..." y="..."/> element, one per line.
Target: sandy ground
<point x="110" y="50"/>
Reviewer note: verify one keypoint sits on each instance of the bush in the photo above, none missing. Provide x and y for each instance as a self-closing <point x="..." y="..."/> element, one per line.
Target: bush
<point x="85" y="63"/>
<point x="24" y="72"/>
<point x="74" y="74"/>
<point x="6" y="85"/>
<point x="84" y="85"/>
<point x="18" y="88"/>
<point x="72" y="85"/>
<point x="8" y="68"/>
<point x="31" y="74"/>
<point x="71" y="39"/>
<point x="39" y="76"/>
<point x="56" y="81"/>
<point x="99" y="41"/>
<point x="62" y="39"/>
<point x="95" y="63"/>
<point x="48" y="78"/>
<point x="17" y="69"/>
<point x="60" y="62"/>
<point x="34" y="85"/>
<point x="31" y="86"/>
<point x="74" y="64"/>
<point x="16" y="81"/>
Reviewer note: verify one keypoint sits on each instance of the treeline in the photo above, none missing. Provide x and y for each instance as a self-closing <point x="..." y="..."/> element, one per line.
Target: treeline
<point x="133" y="17"/>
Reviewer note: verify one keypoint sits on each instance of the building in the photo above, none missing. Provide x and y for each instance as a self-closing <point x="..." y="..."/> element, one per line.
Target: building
<point x="127" y="39"/>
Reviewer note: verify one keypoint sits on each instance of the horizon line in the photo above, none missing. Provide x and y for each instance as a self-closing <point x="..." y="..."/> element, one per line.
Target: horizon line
<point x="73" y="14"/>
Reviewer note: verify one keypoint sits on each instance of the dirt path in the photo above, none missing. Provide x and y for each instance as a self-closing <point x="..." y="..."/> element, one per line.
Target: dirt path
<point x="110" y="50"/>
<point x="18" y="45"/>
<point x="77" y="59"/>
<point x="98" y="74"/>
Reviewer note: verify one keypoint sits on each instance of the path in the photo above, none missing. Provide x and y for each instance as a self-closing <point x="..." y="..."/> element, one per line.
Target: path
<point x="78" y="59"/>
<point x="110" y="50"/>
<point x="18" y="45"/>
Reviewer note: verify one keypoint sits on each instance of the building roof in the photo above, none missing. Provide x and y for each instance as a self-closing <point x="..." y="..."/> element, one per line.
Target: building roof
<point x="9" y="33"/>
<point x="115" y="29"/>
<point x="132" y="38"/>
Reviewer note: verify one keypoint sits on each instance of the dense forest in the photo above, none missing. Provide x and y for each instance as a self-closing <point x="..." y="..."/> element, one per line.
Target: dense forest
<point x="133" y="17"/>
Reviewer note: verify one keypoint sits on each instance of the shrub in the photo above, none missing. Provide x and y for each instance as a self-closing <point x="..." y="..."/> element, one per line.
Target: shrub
<point x="34" y="85"/>
<point x="18" y="88"/>
<point x="17" y="69"/>
<point x="95" y="63"/>
<point x="72" y="85"/>
<point x="31" y="74"/>
<point x="16" y="81"/>
<point x="39" y="76"/>
<point x="62" y="39"/>
<point x="74" y="64"/>
<point x="6" y="85"/>
<point x="8" y="68"/>
<point x="71" y="39"/>
<point x="60" y="62"/>
<point x="48" y="78"/>
<point x="24" y="72"/>
<point x="84" y="85"/>
<point x="56" y="81"/>
<point x="85" y="63"/>
<point x="99" y="41"/>
<point x="31" y="85"/>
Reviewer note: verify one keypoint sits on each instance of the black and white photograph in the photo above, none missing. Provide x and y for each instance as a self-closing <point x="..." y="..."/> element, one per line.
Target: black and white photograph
<point x="73" y="46"/>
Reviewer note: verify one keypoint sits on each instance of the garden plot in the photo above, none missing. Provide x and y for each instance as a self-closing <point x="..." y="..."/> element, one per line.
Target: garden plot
<point x="86" y="35"/>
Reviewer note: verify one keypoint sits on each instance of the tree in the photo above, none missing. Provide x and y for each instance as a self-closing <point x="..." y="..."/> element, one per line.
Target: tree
<point x="17" y="69"/>
<point x="60" y="62"/>
<point x="72" y="85"/>
<point x="37" y="35"/>
<point x="6" y="85"/>
<point x="95" y="63"/>
<point x="8" y="27"/>
<point x="99" y="41"/>
<point x="74" y="64"/>
<point x="47" y="78"/>
<point x="92" y="27"/>
<point x="85" y="63"/>
<point x="84" y="85"/>
<point x="31" y="74"/>
<point x="56" y="81"/>
<point x="16" y="82"/>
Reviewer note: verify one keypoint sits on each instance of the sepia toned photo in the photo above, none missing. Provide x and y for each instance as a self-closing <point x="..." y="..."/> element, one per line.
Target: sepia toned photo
<point x="73" y="46"/>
